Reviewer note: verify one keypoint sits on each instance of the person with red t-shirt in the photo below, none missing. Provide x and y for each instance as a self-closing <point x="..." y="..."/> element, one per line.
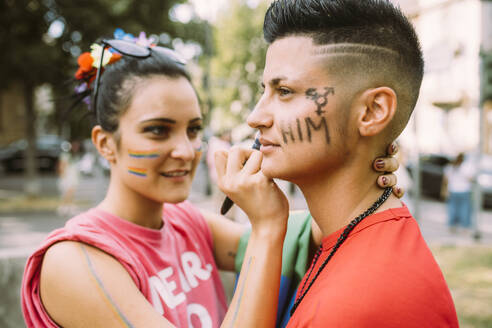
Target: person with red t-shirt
<point x="341" y="80"/>
<point x="144" y="256"/>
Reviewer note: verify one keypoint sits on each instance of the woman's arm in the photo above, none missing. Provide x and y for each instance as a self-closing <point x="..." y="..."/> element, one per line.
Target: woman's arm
<point x="255" y="301"/>
<point x="226" y="235"/>
<point x="82" y="286"/>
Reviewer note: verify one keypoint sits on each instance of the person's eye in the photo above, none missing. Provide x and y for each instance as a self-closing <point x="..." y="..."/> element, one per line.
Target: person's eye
<point x="157" y="130"/>
<point x="194" y="131"/>
<point x="283" y="91"/>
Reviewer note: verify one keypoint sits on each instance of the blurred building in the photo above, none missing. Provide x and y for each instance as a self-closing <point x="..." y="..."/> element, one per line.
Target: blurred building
<point x="447" y="116"/>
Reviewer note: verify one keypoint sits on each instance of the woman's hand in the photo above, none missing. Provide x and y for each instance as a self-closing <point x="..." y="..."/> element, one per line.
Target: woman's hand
<point x="387" y="165"/>
<point x="240" y="177"/>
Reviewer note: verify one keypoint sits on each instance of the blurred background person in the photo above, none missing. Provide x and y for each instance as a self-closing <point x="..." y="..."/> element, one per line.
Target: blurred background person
<point x="457" y="188"/>
<point x="68" y="177"/>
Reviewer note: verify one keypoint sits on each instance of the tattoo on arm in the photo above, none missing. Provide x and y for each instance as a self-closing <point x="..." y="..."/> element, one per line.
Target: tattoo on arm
<point x="238" y="304"/>
<point x="104" y="292"/>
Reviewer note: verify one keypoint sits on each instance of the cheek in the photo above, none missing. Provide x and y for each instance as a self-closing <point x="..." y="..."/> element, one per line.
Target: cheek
<point x="139" y="162"/>
<point x="198" y="146"/>
<point x="196" y="160"/>
<point x="305" y="130"/>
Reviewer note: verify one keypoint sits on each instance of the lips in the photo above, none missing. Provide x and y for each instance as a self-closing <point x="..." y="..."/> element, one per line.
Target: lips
<point x="175" y="173"/>
<point x="266" y="143"/>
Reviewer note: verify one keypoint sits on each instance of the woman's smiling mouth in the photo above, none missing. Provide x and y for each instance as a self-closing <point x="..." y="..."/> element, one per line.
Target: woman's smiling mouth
<point x="175" y="174"/>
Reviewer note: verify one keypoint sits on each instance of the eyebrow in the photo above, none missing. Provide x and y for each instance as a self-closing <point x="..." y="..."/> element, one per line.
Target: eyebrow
<point x="170" y="121"/>
<point x="275" y="81"/>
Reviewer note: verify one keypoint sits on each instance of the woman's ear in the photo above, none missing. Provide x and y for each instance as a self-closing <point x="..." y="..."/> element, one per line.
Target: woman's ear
<point x="105" y="143"/>
<point x="379" y="110"/>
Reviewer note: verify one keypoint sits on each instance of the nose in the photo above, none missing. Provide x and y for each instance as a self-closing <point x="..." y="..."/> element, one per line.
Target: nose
<point x="260" y="117"/>
<point x="184" y="149"/>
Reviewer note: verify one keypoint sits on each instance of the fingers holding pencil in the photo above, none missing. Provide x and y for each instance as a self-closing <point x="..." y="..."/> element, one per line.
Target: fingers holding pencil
<point x="240" y="177"/>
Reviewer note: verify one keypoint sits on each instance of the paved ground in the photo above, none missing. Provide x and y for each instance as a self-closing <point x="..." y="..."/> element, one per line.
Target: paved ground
<point x="21" y="232"/>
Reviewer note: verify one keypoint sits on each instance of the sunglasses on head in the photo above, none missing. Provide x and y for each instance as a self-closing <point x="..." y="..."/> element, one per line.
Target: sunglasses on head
<point x="127" y="48"/>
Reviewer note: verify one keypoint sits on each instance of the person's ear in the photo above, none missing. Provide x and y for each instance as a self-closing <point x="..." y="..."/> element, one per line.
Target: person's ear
<point x="379" y="108"/>
<point x="105" y="143"/>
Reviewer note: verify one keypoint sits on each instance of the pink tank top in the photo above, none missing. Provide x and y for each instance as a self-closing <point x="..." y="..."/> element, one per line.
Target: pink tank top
<point x="173" y="267"/>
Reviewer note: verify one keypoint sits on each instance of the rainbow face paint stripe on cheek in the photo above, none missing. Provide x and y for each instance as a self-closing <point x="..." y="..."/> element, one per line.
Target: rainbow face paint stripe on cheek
<point x="143" y="153"/>
<point x="137" y="171"/>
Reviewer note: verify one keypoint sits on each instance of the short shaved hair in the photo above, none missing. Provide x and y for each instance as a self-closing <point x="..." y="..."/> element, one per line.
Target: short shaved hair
<point x="370" y="41"/>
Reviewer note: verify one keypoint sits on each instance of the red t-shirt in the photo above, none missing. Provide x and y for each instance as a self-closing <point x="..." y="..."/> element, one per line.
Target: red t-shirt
<point x="173" y="267"/>
<point x="383" y="275"/>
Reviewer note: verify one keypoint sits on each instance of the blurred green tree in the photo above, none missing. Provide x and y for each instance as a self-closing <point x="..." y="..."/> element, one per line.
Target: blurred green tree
<point x="41" y="39"/>
<point x="238" y="64"/>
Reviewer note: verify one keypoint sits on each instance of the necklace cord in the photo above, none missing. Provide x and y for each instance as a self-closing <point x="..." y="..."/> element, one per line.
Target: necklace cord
<point x="343" y="236"/>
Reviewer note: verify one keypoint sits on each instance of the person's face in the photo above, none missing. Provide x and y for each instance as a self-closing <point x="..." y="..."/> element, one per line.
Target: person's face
<point x="302" y="114"/>
<point x="160" y="143"/>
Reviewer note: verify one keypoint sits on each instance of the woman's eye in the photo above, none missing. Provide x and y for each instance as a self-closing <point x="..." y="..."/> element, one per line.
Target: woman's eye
<point x="195" y="130"/>
<point x="156" y="130"/>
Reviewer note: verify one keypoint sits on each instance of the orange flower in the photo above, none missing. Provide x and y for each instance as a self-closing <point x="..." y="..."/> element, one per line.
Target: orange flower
<point x="85" y="61"/>
<point x="83" y="75"/>
<point x="86" y="69"/>
<point x="114" y="57"/>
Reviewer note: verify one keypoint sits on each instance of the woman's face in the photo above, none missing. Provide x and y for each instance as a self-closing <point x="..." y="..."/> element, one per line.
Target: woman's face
<point x="160" y="140"/>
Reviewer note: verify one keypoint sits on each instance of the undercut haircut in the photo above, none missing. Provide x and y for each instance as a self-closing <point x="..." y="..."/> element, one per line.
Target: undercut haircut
<point x="370" y="40"/>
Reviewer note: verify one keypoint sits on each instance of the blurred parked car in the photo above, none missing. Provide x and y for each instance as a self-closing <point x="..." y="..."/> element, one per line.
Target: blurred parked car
<point x="48" y="148"/>
<point x="432" y="173"/>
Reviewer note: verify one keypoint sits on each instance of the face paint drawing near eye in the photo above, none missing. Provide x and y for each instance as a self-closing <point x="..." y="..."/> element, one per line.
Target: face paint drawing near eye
<point x="138" y="171"/>
<point x="143" y="153"/>
<point x="321" y="100"/>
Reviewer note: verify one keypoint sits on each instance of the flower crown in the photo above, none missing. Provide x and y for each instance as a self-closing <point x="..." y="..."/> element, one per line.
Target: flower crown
<point x="89" y="62"/>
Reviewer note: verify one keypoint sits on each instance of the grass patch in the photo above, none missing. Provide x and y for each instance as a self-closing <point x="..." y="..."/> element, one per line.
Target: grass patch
<point x="468" y="272"/>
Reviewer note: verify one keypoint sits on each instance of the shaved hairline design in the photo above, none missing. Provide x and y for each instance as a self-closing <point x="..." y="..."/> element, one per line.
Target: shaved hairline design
<point x="352" y="49"/>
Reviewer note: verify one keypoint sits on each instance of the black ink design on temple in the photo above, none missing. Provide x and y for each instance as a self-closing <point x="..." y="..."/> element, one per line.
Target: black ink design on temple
<point x="319" y="99"/>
